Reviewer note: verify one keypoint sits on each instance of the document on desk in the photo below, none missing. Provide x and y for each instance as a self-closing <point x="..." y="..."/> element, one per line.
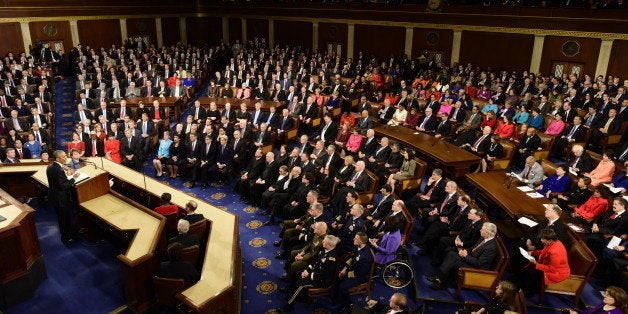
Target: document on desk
<point x="416" y="133"/>
<point x="528" y="222"/>
<point x="575" y="228"/>
<point x="82" y="177"/>
<point x="525" y="188"/>
<point x="612" y="188"/>
<point x="573" y="171"/>
<point x="525" y="254"/>
<point x="535" y="195"/>
<point x="613" y="242"/>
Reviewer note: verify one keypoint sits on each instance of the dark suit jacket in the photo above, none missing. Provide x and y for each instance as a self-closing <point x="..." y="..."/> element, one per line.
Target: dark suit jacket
<point x="77" y="116"/>
<point x="368" y="149"/>
<point x="330" y="133"/>
<point x="186" y="240"/>
<point x="532" y="144"/>
<point x="382" y="209"/>
<point x="134" y="148"/>
<point x="284" y="125"/>
<point x="109" y="113"/>
<point x="100" y="148"/>
<point x="438" y="194"/>
<point x="483" y="256"/>
<point x="362" y="182"/>
<point x="578" y="135"/>
<point x="430" y="123"/>
<point x="208" y="155"/>
<point x="59" y="185"/>
<point x="584" y="164"/>
<point x="443" y="128"/>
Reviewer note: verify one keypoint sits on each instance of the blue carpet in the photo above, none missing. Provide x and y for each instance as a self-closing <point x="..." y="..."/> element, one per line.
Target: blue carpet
<point x="64" y="109"/>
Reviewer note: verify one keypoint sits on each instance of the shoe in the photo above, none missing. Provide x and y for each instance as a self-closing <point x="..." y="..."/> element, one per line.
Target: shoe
<point x="284" y="278"/>
<point x="265" y="213"/>
<point x="437" y="286"/>
<point x="287" y="308"/>
<point x="434" y="263"/>
<point x="283" y="289"/>
<point x="192" y="185"/>
<point x="204" y="186"/>
<point x="277" y="243"/>
<point x="421" y="252"/>
<point x="280" y="256"/>
<point x="269" y="223"/>
<point x="69" y="241"/>
<point x="187" y="184"/>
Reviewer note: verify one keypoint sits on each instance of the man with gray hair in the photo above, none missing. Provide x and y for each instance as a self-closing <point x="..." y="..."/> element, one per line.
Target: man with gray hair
<point x="183" y="238"/>
<point x="481" y="256"/>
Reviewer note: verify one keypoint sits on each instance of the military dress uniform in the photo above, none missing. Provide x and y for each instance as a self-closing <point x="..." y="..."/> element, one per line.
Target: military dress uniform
<point x="321" y="273"/>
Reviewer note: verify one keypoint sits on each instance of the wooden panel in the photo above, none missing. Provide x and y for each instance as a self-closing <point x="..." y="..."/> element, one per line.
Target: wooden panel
<point x="100" y="33"/>
<point x="63" y="32"/>
<point x="381" y="41"/>
<point x="11" y="38"/>
<point x="257" y="28"/>
<point x="235" y="29"/>
<point x="170" y="30"/>
<point x="432" y="39"/>
<point x="617" y="64"/>
<point x="489" y="50"/>
<point x="293" y="33"/>
<point x="202" y="30"/>
<point x="142" y="27"/>
<point x="332" y="33"/>
<point x="552" y="51"/>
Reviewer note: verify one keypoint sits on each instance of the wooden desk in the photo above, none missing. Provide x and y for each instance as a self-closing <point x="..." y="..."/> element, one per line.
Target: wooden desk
<point x="220" y="285"/>
<point x="491" y="192"/>
<point x="455" y="160"/>
<point x="22" y="266"/>
<point x="235" y="103"/>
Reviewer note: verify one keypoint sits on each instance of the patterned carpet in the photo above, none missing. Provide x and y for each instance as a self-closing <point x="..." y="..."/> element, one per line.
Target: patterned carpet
<point x="64" y="108"/>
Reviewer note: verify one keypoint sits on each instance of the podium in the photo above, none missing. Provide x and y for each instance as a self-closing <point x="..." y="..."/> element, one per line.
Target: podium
<point x="22" y="266"/>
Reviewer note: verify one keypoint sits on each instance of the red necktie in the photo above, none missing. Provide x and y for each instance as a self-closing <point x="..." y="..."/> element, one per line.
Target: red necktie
<point x="157" y="115"/>
<point x="94" y="152"/>
<point x="20" y="153"/>
<point x="479" y="141"/>
<point x="444" y="203"/>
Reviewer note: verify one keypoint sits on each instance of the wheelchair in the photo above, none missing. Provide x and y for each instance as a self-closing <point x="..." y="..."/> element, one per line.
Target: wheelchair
<point x="398" y="274"/>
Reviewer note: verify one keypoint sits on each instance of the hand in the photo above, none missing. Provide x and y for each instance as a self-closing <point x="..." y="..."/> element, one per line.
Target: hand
<point x="76" y="175"/>
<point x="371" y="303"/>
<point x="532" y="260"/>
<point x="463" y="253"/>
<point x="304" y="274"/>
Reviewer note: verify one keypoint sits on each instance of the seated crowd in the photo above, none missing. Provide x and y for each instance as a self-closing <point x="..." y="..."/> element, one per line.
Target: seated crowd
<point x="314" y="160"/>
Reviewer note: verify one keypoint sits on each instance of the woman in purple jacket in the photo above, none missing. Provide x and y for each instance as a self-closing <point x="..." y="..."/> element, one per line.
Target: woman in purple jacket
<point x="386" y="247"/>
<point x="615" y="302"/>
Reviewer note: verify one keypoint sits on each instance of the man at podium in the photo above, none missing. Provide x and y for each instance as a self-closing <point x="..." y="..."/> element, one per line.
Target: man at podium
<point x="61" y="184"/>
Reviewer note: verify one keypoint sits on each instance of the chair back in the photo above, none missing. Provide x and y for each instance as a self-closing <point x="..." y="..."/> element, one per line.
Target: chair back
<point x="198" y="228"/>
<point x="190" y="255"/>
<point x="171" y="224"/>
<point x="166" y="289"/>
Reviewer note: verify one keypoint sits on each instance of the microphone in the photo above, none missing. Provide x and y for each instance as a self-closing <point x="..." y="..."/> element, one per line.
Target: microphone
<point x="102" y="165"/>
<point x="145" y="189"/>
<point x="87" y="162"/>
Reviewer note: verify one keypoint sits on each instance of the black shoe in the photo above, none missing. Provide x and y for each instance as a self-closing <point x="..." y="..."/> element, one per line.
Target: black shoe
<point x="269" y="223"/>
<point x="204" y="186"/>
<point x="288" y="308"/>
<point x="437" y="286"/>
<point x="265" y="213"/>
<point x="284" y="278"/>
<point x="192" y="185"/>
<point x="434" y="263"/>
<point x="277" y="243"/>
<point x="283" y="289"/>
<point x="280" y="256"/>
<point x="421" y="252"/>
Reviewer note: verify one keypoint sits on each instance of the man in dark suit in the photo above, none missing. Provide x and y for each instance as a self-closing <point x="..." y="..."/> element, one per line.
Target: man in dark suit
<point x="328" y="130"/>
<point x="183" y="238"/>
<point x="60" y="195"/>
<point x="365" y="122"/>
<point x="272" y="118"/>
<point x="380" y="210"/>
<point x="433" y="104"/>
<point x="369" y="145"/>
<point x="575" y="133"/>
<point x="258" y="116"/>
<point x="35" y="117"/>
<point x="94" y="147"/>
<point x="359" y="182"/>
<point x="254" y="170"/>
<point x="468" y="227"/>
<point x="81" y="114"/>
<point x="428" y="123"/>
<point x="481" y="143"/>
<point x="609" y="126"/>
<point x="261" y="138"/>
<point x="190" y="213"/>
<point x="268" y="177"/>
<point x="481" y="256"/>
<point x="198" y="112"/>
<point x="193" y="159"/>
<point x="444" y="126"/>
<point x="207" y="160"/>
<point x="105" y="112"/>
<point x="174" y="268"/>
<point x="579" y="160"/>
<point x="131" y="150"/>
<point x="434" y="193"/>
<point x="379" y="156"/>
<point x="228" y="112"/>
<point x="611" y="223"/>
<point x="437" y="218"/>
<point x="224" y="161"/>
<point x="21" y="152"/>
<point x="528" y="145"/>
<point x="148" y="90"/>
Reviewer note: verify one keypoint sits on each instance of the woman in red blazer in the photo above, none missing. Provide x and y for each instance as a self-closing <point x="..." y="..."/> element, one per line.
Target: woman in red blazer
<point x="548" y="264"/>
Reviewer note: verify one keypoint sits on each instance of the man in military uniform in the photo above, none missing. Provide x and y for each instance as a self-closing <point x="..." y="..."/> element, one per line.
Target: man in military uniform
<point x="298" y="232"/>
<point x="357" y="269"/>
<point x="319" y="273"/>
<point x="299" y="259"/>
<point x="353" y="223"/>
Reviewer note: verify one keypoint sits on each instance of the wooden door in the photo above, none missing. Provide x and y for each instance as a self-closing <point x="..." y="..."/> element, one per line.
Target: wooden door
<point x="334" y="49"/>
<point x="561" y="67"/>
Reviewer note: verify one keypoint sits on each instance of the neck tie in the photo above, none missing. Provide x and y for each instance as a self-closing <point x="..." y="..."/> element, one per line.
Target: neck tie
<point x="422" y="126"/>
<point x="444" y="203"/>
<point x="83" y="117"/>
<point x="608" y="124"/>
<point x="477" y="143"/>
<point x="196" y="114"/>
<point x="157" y="114"/>
<point x="20" y="153"/>
<point x="355" y="176"/>
<point x="613" y="216"/>
<point x="4" y="102"/>
<point x="144" y="127"/>
<point x="573" y="130"/>
<point x="528" y="173"/>
<point x="37" y="138"/>
<point x="94" y="152"/>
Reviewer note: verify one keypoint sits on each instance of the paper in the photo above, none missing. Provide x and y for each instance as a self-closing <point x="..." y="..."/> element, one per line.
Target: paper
<point x="572" y="171"/>
<point x="525" y="188"/>
<point x="518" y="177"/>
<point x="613" y="189"/>
<point x="415" y="133"/>
<point x="614" y="242"/>
<point x="535" y="195"/>
<point x="525" y="254"/>
<point x="528" y="222"/>
<point x="82" y="176"/>
<point x="575" y="228"/>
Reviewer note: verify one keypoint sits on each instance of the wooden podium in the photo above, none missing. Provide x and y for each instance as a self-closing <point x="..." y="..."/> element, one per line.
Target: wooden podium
<point x="22" y="266"/>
